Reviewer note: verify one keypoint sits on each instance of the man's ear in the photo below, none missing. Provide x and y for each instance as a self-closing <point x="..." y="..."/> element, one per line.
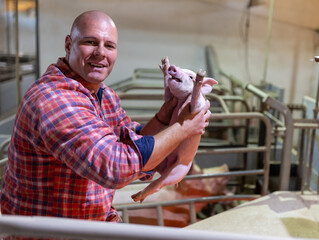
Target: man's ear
<point x="208" y="84"/>
<point x="67" y="44"/>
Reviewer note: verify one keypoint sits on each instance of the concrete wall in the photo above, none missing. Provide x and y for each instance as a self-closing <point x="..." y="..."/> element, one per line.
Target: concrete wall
<point x="149" y="30"/>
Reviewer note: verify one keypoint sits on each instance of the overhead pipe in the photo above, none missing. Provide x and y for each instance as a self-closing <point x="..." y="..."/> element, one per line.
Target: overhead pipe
<point x="271" y="11"/>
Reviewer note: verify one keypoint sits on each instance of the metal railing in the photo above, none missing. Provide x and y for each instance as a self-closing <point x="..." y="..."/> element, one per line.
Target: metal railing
<point x="264" y="172"/>
<point x="62" y="228"/>
<point x="283" y="127"/>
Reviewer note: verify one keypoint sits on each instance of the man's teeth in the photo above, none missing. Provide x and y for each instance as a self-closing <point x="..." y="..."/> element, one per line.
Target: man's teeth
<point x="96" y="65"/>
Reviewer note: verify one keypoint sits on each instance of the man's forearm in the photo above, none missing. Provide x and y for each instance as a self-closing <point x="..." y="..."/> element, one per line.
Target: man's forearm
<point x="153" y="127"/>
<point x="165" y="142"/>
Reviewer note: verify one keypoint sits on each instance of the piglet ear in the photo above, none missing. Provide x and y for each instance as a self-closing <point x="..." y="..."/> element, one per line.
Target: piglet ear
<point x="208" y="84"/>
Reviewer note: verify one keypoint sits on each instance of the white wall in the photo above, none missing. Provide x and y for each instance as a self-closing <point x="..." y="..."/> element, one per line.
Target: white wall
<point x="150" y="30"/>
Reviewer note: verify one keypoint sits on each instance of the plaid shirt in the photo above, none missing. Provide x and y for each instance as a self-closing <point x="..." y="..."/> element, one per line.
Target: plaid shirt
<point x="69" y="151"/>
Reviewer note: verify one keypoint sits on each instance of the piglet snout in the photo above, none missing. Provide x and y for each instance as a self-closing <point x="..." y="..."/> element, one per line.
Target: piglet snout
<point x="172" y="70"/>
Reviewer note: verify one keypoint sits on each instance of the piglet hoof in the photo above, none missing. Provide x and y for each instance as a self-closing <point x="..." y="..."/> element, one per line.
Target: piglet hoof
<point x="138" y="197"/>
<point x="165" y="65"/>
<point x="200" y="77"/>
<point x="200" y="73"/>
<point x="165" y="61"/>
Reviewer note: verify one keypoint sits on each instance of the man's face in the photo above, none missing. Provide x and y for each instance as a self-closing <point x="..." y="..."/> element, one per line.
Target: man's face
<point x="91" y="50"/>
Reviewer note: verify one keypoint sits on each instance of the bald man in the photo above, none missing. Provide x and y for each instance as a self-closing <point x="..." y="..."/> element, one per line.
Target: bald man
<point x="73" y="144"/>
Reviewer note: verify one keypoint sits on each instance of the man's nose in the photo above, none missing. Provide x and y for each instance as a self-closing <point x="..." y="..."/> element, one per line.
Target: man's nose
<point x="100" y="50"/>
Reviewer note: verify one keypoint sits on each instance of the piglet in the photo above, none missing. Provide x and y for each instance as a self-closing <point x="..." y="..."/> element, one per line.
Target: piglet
<point x="187" y="87"/>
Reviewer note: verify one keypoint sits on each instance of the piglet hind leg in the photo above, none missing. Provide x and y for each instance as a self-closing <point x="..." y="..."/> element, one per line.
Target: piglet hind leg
<point x="153" y="187"/>
<point x="196" y="103"/>
<point x="170" y="177"/>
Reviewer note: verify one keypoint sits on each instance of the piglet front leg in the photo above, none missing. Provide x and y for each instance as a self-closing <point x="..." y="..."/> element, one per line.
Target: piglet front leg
<point x="164" y="67"/>
<point x="197" y="101"/>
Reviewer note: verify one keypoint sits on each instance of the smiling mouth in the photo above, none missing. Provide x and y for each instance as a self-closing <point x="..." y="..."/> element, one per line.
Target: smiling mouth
<point x="96" y="65"/>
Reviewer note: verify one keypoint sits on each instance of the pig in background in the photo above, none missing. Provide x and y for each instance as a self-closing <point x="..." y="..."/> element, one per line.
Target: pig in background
<point x="179" y="215"/>
<point x="187" y="87"/>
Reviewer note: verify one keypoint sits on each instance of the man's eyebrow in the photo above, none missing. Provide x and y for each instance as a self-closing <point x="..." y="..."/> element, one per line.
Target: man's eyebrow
<point x="88" y="37"/>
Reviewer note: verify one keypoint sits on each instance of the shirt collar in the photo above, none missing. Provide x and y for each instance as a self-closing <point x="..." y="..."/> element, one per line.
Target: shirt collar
<point x="63" y="65"/>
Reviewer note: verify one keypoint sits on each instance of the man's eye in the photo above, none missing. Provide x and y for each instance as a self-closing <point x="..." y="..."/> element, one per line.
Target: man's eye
<point x="110" y="46"/>
<point x="91" y="42"/>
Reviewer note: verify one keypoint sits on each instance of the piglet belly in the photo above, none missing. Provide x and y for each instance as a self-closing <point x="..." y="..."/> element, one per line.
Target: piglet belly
<point x="184" y="155"/>
<point x="186" y="151"/>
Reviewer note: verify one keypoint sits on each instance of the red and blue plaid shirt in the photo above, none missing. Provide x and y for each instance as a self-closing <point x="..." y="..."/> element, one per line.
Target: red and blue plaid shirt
<point x="69" y="151"/>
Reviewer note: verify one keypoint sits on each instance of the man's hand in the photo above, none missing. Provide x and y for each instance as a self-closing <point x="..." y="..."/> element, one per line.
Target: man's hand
<point x="166" y="111"/>
<point x="194" y="124"/>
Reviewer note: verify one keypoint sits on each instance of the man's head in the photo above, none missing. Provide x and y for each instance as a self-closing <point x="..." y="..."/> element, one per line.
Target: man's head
<point x="91" y="47"/>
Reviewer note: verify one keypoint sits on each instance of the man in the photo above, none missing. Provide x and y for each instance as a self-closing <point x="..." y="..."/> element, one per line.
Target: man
<point x="73" y="144"/>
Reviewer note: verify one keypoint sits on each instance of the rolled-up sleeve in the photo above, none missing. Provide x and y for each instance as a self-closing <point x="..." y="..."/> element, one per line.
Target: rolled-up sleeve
<point x="146" y="146"/>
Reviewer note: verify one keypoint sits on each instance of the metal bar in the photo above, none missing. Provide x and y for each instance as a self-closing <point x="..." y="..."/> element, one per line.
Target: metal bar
<point x="213" y="175"/>
<point x="192" y="213"/>
<point x="256" y="91"/>
<point x="235" y="81"/>
<point x="119" y="207"/>
<point x="220" y="100"/>
<point x="312" y="145"/>
<point x="8" y="32"/>
<point x="273" y="118"/>
<point x="266" y="162"/>
<point x="62" y="228"/>
<point x="306" y="125"/>
<point x="37" y="45"/>
<point x="231" y="150"/>
<point x="160" y="219"/>
<point x="313" y="136"/>
<point x="226" y="174"/>
<point x="3" y="146"/>
<point x="125" y="215"/>
<point x="3" y="162"/>
<point x="305" y="162"/>
<point x="287" y="144"/>
<point x="17" y="59"/>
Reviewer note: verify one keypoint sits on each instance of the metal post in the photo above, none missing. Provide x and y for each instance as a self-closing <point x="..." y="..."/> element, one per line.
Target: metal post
<point x="192" y="212"/>
<point x="17" y="60"/>
<point x="305" y="160"/>
<point x="8" y="29"/>
<point x="159" y="211"/>
<point x="287" y="145"/>
<point x="37" y="65"/>
<point x="125" y="215"/>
